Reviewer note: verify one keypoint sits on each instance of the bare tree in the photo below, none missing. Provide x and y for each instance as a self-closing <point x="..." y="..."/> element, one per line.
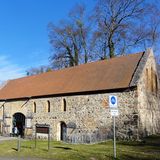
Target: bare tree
<point x="38" y="70"/>
<point x="118" y="26"/>
<point x="69" y="39"/>
<point x="124" y="24"/>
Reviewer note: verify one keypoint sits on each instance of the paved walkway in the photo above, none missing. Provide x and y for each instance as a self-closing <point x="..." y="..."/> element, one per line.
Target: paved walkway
<point x="2" y="138"/>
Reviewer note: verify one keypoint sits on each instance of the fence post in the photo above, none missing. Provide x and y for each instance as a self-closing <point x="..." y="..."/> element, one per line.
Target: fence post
<point x="48" y="138"/>
<point x="35" y="139"/>
<point x="19" y="143"/>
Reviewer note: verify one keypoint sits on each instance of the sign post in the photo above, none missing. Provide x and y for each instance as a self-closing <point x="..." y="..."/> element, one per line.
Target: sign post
<point x="114" y="112"/>
<point x="114" y="137"/>
<point x="49" y="139"/>
<point x="45" y="129"/>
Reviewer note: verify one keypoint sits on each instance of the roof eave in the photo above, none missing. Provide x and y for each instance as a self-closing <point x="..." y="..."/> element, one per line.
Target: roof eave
<point x="125" y="89"/>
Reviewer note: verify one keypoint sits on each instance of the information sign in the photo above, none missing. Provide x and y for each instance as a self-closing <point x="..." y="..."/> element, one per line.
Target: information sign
<point x="114" y="112"/>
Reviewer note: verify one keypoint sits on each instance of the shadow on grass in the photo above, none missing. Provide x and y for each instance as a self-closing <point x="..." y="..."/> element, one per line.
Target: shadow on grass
<point x="130" y="157"/>
<point x="65" y="148"/>
<point x="31" y="148"/>
<point x="149" y="145"/>
<point x="27" y="147"/>
<point x="22" y="147"/>
<point x="141" y="144"/>
<point x="153" y="140"/>
<point x="15" y="149"/>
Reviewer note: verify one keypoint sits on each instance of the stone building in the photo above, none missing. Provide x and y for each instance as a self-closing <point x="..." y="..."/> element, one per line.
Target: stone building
<point x="74" y="101"/>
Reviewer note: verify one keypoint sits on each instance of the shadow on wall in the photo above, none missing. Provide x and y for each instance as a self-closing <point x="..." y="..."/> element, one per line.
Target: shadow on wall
<point x="77" y="135"/>
<point x="84" y="136"/>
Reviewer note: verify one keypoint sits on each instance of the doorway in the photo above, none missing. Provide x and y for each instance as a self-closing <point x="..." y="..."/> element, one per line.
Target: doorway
<point x="63" y="131"/>
<point x="19" y="122"/>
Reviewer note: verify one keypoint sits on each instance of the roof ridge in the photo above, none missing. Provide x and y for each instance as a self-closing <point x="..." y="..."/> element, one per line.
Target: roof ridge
<point x="80" y="65"/>
<point x="94" y="76"/>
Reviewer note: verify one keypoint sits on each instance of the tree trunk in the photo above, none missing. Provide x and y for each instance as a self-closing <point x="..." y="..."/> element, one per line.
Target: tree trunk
<point x="105" y="50"/>
<point x="111" y="49"/>
<point x="85" y="57"/>
<point x="76" y="56"/>
<point x="71" y="59"/>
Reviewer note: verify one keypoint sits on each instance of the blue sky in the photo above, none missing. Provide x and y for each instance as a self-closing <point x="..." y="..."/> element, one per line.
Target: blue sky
<point x="23" y="33"/>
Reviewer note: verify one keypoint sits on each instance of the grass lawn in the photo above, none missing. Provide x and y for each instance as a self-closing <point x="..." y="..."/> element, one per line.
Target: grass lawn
<point x="149" y="149"/>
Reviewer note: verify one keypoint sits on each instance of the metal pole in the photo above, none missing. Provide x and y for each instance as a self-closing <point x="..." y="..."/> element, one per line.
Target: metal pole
<point x="114" y="137"/>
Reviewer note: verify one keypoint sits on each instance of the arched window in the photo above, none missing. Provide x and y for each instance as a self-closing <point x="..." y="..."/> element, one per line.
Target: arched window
<point x="151" y="81"/>
<point x="64" y="104"/>
<point x="147" y="79"/>
<point x="156" y="84"/>
<point x="34" y="107"/>
<point x="48" y="106"/>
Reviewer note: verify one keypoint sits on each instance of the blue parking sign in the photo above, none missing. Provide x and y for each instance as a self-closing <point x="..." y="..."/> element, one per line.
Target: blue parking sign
<point x="113" y="101"/>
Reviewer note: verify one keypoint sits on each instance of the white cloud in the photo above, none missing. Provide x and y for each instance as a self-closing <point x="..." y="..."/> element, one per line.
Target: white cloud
<point x="9" y="70"/>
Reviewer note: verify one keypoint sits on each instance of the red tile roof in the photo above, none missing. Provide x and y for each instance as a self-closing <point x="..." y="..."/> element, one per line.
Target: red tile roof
<point x="115" y="73"/>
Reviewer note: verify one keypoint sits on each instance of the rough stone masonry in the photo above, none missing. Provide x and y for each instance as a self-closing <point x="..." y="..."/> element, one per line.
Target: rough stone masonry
<point x="85" y="117"/>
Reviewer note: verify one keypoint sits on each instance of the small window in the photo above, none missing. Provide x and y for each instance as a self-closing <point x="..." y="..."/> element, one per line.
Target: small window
<point x="34" y="107"/>
<point x="64" y="105"/>
<point x="48" y="106"/>
<point x="152" y="80"/>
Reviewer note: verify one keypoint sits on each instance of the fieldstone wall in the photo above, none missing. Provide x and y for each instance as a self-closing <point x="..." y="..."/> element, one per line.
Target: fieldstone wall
<point x="90" y="115"/>
<point x="87" y="117"/>
<point x="148" y="98"/>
